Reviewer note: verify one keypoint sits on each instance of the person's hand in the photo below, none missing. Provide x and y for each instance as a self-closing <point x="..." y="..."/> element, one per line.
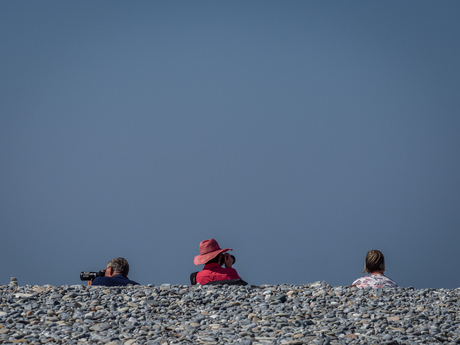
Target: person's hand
<point x="90" y="282"/>
<point x="228" y="260"/>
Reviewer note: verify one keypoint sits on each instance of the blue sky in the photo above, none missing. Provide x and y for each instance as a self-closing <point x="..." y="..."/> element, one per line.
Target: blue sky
<point x="300" y="134"/>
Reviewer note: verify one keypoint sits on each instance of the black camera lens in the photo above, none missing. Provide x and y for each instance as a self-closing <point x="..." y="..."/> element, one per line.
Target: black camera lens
<point x="91" y="275"/>
<point x="88" y="275"/>
<point x="222" y="259"/>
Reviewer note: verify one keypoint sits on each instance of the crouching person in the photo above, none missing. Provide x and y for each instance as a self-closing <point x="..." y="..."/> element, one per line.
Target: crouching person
<point x="116" y="274"/>
<point x="213" y="257"/>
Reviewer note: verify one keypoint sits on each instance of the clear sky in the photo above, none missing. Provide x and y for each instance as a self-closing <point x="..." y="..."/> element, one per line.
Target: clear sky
<point x="301" y="134"/>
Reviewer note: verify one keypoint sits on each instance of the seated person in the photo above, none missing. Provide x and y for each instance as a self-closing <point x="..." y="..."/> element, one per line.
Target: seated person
<point x="116" y="274"/>
<point x="375" y="265"/>
<point x="210" y="255"/>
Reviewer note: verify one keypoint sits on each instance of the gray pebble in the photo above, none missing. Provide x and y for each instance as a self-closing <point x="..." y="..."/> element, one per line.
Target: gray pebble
<point x="271" y="314"/>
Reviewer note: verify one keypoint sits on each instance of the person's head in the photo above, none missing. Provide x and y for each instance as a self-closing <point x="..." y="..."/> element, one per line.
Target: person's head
<point x="117" y="266"/>
<point x="215" y="260"/>
<point x="375" y="261"/>
<point x="209" y="251"/>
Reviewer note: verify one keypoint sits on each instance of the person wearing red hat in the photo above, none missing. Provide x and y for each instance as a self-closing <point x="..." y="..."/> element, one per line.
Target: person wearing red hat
<point x="210" y="255"/>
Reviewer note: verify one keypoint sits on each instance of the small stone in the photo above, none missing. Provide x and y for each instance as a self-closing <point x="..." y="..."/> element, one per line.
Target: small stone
<point x="393" y="318"/>
<point x="89" y="315"/>
<point x="13" y="281"/>
<point x="152" y="302"/>
<point x="63" y="323"/>
<point x="100" y="327"/>
<point x="38" y="289"/>
<point x="64" y="316"/>
<point x="278" y="298"/>
<point x="24" y="295"/>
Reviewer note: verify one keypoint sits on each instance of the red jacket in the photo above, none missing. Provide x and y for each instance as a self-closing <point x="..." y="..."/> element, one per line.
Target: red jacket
<point x="212" y="272"/>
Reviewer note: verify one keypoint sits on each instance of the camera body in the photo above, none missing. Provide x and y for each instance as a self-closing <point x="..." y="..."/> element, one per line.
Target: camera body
<point x="91" y="275"/>
<point x="222" y="259"/>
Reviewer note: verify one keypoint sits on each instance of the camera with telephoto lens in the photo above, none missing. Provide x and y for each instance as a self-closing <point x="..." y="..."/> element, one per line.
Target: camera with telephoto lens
<point x="222" y="259"/>
<point x="91" y="275"/>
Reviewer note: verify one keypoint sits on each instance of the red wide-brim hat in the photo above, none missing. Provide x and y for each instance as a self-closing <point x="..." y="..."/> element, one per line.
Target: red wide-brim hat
<point x="209" y="249"/>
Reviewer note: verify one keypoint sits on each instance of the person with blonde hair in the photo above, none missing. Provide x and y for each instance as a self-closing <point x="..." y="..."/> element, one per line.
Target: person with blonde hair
<point x="375" y="265"/>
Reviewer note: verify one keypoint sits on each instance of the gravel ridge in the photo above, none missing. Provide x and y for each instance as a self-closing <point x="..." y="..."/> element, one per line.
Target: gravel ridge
<point x="315" y="313"/>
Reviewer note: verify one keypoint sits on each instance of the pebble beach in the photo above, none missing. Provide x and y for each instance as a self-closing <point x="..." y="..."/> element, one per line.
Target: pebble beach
<point x="314" y="313"/>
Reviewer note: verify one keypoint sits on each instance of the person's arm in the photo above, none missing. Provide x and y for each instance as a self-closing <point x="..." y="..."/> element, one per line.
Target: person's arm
<point x="228" y="260"/>
<point x="230" y="271"/>
<point x="99" y="281"/>
<point x="226" y="273"/>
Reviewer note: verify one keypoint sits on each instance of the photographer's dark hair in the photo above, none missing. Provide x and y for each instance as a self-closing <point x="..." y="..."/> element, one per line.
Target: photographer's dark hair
<point x="220" y="259"/>
<point x="214" y="260"/>
<point x="120" y="266"/>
